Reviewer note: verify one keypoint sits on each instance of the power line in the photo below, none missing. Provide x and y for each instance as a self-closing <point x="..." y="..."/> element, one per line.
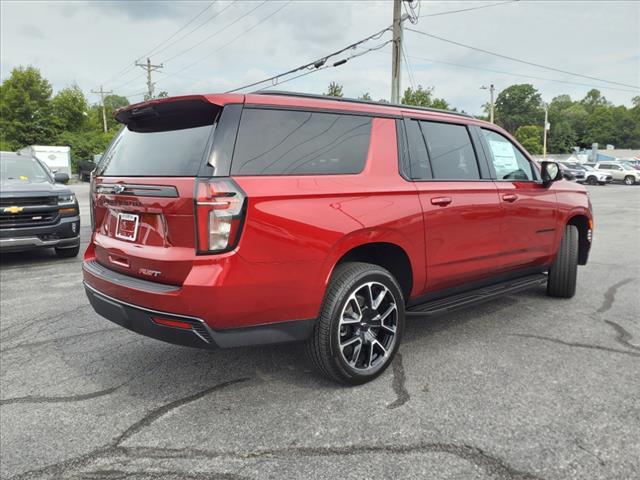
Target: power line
<point x="149" y="68"/>
<point x="502" y="72"/>
<point x="230" y="41"/>
<point x="153" y="50"/>
<point x="324" y="67"/>
<point x="217" y="14"/>
<point x="132" y="65"/>
<point x="519" y="60"/>
<point x="316" y="64"/>
<point x="409" y="70"/>
<point x="215" y="33"/>
<point x="467" y="9"/>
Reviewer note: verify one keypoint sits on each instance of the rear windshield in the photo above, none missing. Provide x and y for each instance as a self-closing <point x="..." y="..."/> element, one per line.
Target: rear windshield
<point x="165" y="140"/>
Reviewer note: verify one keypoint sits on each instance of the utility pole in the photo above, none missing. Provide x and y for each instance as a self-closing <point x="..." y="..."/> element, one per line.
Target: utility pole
<point x="396" y="55"/>
<point x="102" y="93"/>
<point x="491" y="101"/>
<point x="149" y="68"/>
<point x="546" y="127"/>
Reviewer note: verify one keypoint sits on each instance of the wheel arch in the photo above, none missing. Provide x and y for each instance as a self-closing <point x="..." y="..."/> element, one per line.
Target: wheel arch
<point x="582" y="223"/>
<point x="379" y="249"/>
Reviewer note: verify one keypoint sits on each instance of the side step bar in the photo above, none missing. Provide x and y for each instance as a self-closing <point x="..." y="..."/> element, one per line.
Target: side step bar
<point x="444" y="305"/>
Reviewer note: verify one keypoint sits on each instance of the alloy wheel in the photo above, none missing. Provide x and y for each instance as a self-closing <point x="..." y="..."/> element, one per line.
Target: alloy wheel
<point x="367" y="327"/>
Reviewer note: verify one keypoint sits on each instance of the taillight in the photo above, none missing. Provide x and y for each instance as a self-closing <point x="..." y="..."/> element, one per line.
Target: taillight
<point x="92" y="184"/>
<point x="219" y="214"/>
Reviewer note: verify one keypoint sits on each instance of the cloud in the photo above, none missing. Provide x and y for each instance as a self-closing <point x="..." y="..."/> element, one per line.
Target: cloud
<point x="97" y="43"/>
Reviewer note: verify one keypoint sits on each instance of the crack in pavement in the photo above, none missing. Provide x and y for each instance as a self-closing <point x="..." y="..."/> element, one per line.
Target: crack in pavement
<point x="398" y="383"/>
<point x="59" y="339"/>
<point x="623" y="337"/>
<point x="61" y="399"/>
<point x="610" y="294"/>
<point x="114" y="447"/>
<point x="25" y="325"/>
<point x="492" y="465"/>
<point x="600" y="460"/>
<point x="575" y="344"/>
<point x="113" y="474"/>
<point x="164" y="409"/>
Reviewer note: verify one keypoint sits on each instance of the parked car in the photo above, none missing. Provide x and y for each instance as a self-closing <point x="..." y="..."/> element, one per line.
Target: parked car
<point x="572" y="173"/>
<point x="635" y="164"/>
<point x="229" y="220"/>
<point x="36" y="211"/>
<point x="620" y="172"/>
<point x="591" y="175"/>
<point x="85" y="167"/>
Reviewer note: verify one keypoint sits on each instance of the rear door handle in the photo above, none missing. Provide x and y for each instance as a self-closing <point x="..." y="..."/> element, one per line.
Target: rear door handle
<point x="509" y="197"/>
<point x="441" y="201"/>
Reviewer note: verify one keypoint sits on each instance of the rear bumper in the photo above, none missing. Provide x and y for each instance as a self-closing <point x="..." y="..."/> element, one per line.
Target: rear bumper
<point x="63" y="234"/>
<point x="140" y="320"/>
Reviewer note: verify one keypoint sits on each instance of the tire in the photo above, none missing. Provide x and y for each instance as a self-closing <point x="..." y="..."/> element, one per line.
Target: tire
<point x="592" y="180"/>
<point x="629" y="180"/>
<point x="564" y="270"/>
<point x="68" y="252"/>
<point x="349" y="322"/>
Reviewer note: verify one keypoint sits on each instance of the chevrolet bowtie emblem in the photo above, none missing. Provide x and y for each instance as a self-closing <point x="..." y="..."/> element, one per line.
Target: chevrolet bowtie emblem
<point x="13" y="209"/>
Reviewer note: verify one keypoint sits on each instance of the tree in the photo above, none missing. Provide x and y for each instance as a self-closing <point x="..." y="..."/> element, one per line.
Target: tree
<point x="530" y="137"/>
<point x="594" y="99"/>
<point x="25" y="113"/>
<point x="518" y="105"/>
<point x="69" y="108"/>
<point x="601" y="126"/>
<point x="365" y="96"/>
<point x="334" y="90"/>
<point x="423" y="97"/>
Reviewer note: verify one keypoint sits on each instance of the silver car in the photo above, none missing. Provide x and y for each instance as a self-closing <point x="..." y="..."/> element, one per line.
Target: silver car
<point x="620" y="172"/>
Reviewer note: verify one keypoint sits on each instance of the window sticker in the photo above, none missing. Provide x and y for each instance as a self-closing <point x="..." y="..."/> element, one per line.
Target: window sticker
<point x="504" y="158"/>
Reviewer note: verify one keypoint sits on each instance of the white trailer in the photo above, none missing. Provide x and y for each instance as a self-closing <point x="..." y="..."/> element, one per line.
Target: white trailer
<point x="57" y="158"/>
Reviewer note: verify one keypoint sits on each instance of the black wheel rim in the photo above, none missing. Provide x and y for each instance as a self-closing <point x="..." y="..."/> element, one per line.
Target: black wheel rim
<point x="367" y="327"/>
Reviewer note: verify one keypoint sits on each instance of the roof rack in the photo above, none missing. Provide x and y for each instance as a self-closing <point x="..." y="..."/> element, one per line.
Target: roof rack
<point x="286" y="93"/>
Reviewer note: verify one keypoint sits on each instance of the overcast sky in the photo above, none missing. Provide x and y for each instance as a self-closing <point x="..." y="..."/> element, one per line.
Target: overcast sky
<point x="93" y="43"/>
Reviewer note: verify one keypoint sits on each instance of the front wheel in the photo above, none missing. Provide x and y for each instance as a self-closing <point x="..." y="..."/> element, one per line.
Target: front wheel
<point x="629" y="180"/>
<point x="360" y="325"/>
<point x="564" y="270"/>
<point x="592" y="180"/>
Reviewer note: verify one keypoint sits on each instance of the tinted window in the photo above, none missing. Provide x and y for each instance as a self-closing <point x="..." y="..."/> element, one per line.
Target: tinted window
<point x="419" y="164"/>
<point x="508" y="162"/>
<point x="278" y="142"/>
<point x="451" y="153"/>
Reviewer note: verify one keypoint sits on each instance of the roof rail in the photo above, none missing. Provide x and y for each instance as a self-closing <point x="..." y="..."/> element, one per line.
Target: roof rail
<point x="286" y="93"/>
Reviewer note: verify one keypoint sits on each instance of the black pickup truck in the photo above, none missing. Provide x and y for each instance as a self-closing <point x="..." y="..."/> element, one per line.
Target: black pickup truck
<point x="36" y="210"/>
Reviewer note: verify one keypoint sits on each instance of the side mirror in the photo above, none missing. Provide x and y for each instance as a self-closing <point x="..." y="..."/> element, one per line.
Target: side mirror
<point x="60" y="177"/>
<point x="550" y="173"/>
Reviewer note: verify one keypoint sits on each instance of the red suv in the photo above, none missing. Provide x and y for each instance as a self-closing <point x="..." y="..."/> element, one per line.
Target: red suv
<point x="229" y="220"/>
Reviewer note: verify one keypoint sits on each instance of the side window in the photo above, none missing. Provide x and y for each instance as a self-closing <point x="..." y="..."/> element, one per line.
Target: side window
<point x="451" y="153"/>
<point x="420" y="169"/>
<point x="282" y="142"/>
<point x="508" y="162"/>
<point x="615" y="167"/>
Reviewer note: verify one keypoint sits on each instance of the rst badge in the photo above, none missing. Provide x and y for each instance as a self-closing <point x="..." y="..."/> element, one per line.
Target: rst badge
<point x="127" y="227"/>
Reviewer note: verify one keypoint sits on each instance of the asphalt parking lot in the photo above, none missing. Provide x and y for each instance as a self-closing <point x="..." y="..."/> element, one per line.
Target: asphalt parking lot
<point x="524" y="387"/>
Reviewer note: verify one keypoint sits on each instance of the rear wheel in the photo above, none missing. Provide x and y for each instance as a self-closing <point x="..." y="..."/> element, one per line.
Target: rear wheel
<point x="68" y="252"/>
<point x="360" y="324"/>
<point x="629" y="180"/>
<point x="564" y="270"/>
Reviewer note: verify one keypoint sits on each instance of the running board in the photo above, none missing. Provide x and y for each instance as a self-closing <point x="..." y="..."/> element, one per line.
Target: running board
<point x="444" y="305"/>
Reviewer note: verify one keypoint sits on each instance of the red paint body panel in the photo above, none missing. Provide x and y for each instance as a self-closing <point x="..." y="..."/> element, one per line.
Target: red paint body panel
<point x="296" y="228"/>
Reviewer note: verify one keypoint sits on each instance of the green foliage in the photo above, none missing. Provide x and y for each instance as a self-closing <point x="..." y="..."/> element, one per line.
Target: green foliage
<point x="518" y="105"/>
<point x="423" y="97"/>
<point x="334" y="90"/>
<point x="25" y="110"/>
<point x="365" y="96"/>
<point x="530" y="137"/>
<point x="69" y="109"/>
